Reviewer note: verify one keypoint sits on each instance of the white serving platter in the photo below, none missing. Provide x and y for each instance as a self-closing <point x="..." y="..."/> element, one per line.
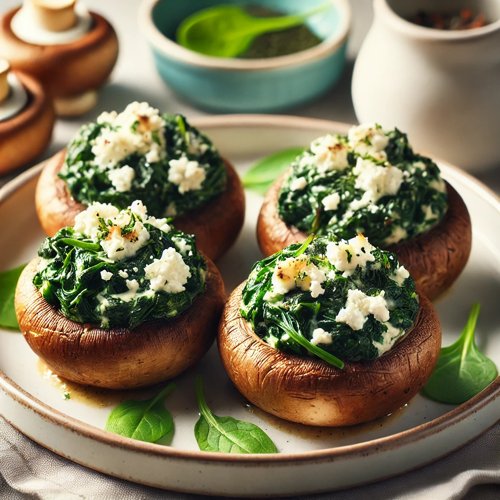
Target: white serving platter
<point x="310" y="459"/>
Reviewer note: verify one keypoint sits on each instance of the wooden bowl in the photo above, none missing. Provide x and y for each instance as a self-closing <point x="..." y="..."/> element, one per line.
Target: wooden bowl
<point x="118" y="358"/>
<point x="312" y="392"/>
<point x="434" y="259"/>
<point x="216" y="224"/>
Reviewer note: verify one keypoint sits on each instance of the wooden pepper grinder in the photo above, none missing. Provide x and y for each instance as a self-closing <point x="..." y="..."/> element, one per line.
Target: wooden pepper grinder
<point x="70" y="50"/>
<point x="26" y="118"/>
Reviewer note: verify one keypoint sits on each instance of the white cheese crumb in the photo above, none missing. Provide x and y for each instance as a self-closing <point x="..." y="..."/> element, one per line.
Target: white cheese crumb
<point x="389" y="337"/>
<point x="119" y="246"/>
<point x="331" y="202"/>
<point x="106" y="275"/>
<point x="298" y="184"/>
<point x="296" y="272"/>
<point x="400" y="275"/>
<point x="169" y="273"/>
<point x="138" y="129"/>
<point x="330" y="153"/>
<point x="346" y="256"/>
<point x="121" y="178"/>
<point x="183" y="246"/>
<point x="428" y="212"/>
<point x="186" y="174"/>
<point x="320" y="336"/>
<point x="359" y="306"/>
<point x="376" y="181"/>
<point x="368" y="139"/>
<point x="398" y="234"/>
<point x="123" y="273"/>
<point x="438" y="185"/>
<point x="87" y="222"/>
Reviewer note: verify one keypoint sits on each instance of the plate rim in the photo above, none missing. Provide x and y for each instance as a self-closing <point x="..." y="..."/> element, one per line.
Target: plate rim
<point x="377" y="445"/>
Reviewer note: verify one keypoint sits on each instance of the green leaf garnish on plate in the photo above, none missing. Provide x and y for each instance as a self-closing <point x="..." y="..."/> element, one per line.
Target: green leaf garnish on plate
<point x="227" y="434"/>
<point x="147" y="420"/>
<point x="462" y="371"/>
<point x="263" y="173"/>
<point x="8" y="283"/>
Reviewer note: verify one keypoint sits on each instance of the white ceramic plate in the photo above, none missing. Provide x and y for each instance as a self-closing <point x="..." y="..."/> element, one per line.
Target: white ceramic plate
<point x="310" y="459"/>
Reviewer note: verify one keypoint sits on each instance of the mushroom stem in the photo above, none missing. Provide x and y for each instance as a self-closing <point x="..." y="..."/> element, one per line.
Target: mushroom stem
<point x="4" y="84"/>
<point x="54" y="15"/>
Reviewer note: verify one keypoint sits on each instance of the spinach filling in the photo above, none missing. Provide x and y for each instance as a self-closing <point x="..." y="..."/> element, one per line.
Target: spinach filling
<point x="78" y="277"/>
<point x="88" y="180"/>
<point x="386" y="214"/>
<point x="315" y="303"/>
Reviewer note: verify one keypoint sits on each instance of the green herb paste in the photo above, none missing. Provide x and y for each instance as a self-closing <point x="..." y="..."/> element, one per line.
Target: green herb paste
<point x="347" y="298"/>
<point x="369" y="181"/>
<point x="141" y="155"/>
<point x="120" y="268"/>
<point x="279" y="43"/>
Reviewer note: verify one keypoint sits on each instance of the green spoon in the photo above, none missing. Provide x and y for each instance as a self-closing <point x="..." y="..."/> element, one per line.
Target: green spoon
<point x="228" y="30"/>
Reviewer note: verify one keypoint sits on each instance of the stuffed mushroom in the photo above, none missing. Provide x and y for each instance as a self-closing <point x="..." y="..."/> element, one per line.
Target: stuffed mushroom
<point x="110" y="301"/>
<point x="329" y="333"/>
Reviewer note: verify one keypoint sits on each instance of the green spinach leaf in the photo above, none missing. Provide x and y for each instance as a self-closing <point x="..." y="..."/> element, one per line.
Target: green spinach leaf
<point x="145" y="420"/>
<point x="261" y="175"/>
<point x="8" y="282"/>
<point x="462" y="370"/>
<point x="227" y="434"/>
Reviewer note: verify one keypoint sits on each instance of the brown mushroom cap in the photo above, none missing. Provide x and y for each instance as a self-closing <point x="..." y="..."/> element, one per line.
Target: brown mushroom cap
<point x="434" y="259"/>
<point x="24" y="136"/>
<point x="118" y="358"/>
<point x="216" y="224"/>
<point x="309" y="391"/>
<point x="68" y="69"/>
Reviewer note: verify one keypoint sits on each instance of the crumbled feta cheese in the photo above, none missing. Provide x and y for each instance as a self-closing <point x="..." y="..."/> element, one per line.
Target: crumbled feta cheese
<point x="428" y="212"/>
<point x="106" y="275"/>
<point x="123" y="273"/>
<point x="296" y="272"/>
<point x="138" y="129"/>
<point x="298" y="184"/>
<point x="400" y="275"/>
<point x="359" y="306"/>
<point x="87" y="222"/>
<point x="320" y="336"/>
<point x="376" y="181"/>
<point x="183" y="246"/>
<point x="368" y="139"/>
<point x="133" y="286"/>
<point x="438" y="185"/>
<point x="346" y="256"/>
<point x="330" y="153"/>
<point x="169" y="273"/>
<point x="195" y="145"/>
<point x="121" y="178"/>
<point x="186" y="174"/>
<point x="398" y="234"/>
<point x="331" y="202"/>
<point x="389" y="337"/>
<point x="119" y="246"/>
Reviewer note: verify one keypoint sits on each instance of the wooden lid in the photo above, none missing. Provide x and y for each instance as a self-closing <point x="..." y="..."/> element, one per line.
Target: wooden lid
<point x="4" y="84"/>
<point x="54" y="15"/>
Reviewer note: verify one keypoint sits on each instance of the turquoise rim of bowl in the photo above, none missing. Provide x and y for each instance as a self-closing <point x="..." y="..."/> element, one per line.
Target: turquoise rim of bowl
<point x="172" y="50"/>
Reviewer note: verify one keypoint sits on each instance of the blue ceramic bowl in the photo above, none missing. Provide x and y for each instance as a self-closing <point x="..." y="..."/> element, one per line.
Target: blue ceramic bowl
<point x="247" y="85"/>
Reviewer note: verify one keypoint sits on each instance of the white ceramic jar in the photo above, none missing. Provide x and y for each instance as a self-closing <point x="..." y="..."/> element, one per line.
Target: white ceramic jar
<point x="441" y="87"/>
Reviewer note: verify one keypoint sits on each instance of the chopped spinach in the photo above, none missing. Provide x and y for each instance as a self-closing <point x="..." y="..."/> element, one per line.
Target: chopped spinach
<point x="70" y="277"/>
<point x="89" y="182"/>
<point x="273" y="315"/>
<point x="416" y="207"/>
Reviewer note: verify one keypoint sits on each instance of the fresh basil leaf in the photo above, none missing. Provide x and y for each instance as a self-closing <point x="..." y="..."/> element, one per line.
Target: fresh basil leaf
<point x="145" y="420"/>
<point x="261" y="175"/>
<point x="8" y="283"/>
<point x="462" y="371"/>
<point x="227" y="434"/>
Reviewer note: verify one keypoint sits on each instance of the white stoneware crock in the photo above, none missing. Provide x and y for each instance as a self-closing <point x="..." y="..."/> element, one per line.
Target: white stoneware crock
<point x="441" y="87"/>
